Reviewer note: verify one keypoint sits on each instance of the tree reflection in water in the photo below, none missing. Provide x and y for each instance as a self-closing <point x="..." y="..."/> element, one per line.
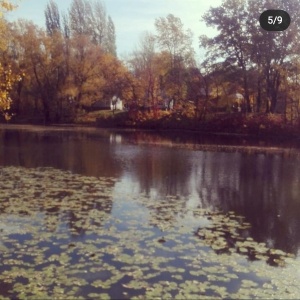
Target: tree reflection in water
<point x="207" y="171"/>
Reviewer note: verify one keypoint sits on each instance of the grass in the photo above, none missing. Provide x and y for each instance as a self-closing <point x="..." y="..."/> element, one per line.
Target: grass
<point x="104" y="115"/>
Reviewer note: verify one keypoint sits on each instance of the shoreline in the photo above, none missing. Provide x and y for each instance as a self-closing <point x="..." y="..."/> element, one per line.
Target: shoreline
<point x="195" y="140"/>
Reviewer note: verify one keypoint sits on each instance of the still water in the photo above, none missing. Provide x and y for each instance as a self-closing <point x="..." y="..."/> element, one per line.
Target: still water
<point x="121" y="214"/>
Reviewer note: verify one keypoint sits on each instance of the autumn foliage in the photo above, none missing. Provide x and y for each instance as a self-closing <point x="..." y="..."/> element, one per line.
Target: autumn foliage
<point x="248" y="81"/>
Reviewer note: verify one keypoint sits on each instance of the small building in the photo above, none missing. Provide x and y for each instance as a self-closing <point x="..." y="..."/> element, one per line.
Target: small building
<point x="116" y="103"/>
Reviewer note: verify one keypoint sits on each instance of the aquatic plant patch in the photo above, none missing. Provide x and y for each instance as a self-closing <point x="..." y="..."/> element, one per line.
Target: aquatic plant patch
<point x="228" y="233"/>
<point x="70" y="236"/>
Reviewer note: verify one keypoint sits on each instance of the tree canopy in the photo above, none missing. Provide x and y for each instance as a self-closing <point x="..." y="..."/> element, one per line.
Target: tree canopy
<point x="7" y="77"/>
<point x="62" y="70"/>
<point x="252" y="51"/>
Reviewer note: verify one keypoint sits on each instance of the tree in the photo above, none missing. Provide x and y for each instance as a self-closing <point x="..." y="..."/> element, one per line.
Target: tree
<point x="5" y="6"/>
<point x="110" y="45"/>
<point x="66" y="26"/>
<point x="142" y="64"/>
<point x="98" y="23"/>
<point x="43" y="58"/>
<point x="52" y="18"/>
<point x="7" y="78"/>
<point x="232" y="44"/>
<point x="171" y="37"/>
<point x="177" y="45"/>
<point x="273" y="51"/>
<point x="80" y="17"/>
<point x="89" y="19"/>
<point x="255" y="52"/>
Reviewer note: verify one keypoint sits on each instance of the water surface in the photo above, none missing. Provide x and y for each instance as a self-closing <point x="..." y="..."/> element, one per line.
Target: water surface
<point x="126" y="214"/>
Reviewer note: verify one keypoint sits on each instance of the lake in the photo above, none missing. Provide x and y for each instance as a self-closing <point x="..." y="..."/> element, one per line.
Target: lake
<point x="118" y="214"/>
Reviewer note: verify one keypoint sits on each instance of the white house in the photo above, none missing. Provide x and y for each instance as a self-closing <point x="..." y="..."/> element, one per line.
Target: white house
<point x="116" y="103"/>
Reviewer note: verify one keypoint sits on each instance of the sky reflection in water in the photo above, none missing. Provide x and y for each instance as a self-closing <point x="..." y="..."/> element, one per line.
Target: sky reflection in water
<point x="261" y="187"/>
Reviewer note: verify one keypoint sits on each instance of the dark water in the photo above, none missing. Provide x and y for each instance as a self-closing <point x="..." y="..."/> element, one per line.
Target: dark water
<point x="263" y="187"/>
<point x="261" y="181"/>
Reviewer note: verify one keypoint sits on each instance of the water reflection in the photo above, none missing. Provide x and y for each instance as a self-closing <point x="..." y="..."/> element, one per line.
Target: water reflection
<point x="76" y="151"/>
<point x="263" y="187"/>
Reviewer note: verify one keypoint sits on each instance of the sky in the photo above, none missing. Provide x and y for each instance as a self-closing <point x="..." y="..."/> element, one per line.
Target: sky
<point x="132" y="17"/>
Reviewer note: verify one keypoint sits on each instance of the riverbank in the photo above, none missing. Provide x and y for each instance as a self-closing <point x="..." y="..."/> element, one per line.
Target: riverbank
<point x="171" y="138"/>
<point x="268" y="125"/>
<point x="265" y="126"/>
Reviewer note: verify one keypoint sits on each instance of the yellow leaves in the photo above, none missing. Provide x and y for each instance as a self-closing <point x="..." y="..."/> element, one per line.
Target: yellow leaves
<point x="7" y="5"/>
<point x="4" y="7"/>
<point x="7" y="79"/>
<point x="188" y="109"/>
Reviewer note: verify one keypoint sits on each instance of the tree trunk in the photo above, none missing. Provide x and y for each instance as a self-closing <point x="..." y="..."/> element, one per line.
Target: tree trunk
<point x="258" y="98"/>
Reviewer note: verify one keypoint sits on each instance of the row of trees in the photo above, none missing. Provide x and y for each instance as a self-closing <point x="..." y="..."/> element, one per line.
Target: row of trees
<point x="263" y="65"/>
<point x="164" y="64"/>
<point x="72" y="62"/>
<point x="241" y="59"/>
<point x="84" y="18"/>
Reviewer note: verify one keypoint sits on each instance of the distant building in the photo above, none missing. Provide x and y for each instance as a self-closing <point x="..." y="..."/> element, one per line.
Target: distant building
<point x="116" y="103"/>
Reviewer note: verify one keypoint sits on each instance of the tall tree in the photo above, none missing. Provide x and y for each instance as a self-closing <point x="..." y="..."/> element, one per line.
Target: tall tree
<point x="142" y="64"/>
<point x="89" y="18"/>
<point x="273" y="51"/>
<point x="52" y="17"/>
<point x="241" y="42"/>
<point x="111" y="37"/>
<point x="172" y="37"/>
<point x="80" y="17"/>
<point x="232" y="44"/>
<point x="66" y="28"/>
<point x="176" y="42"/>
<point x="98" y="22"/>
